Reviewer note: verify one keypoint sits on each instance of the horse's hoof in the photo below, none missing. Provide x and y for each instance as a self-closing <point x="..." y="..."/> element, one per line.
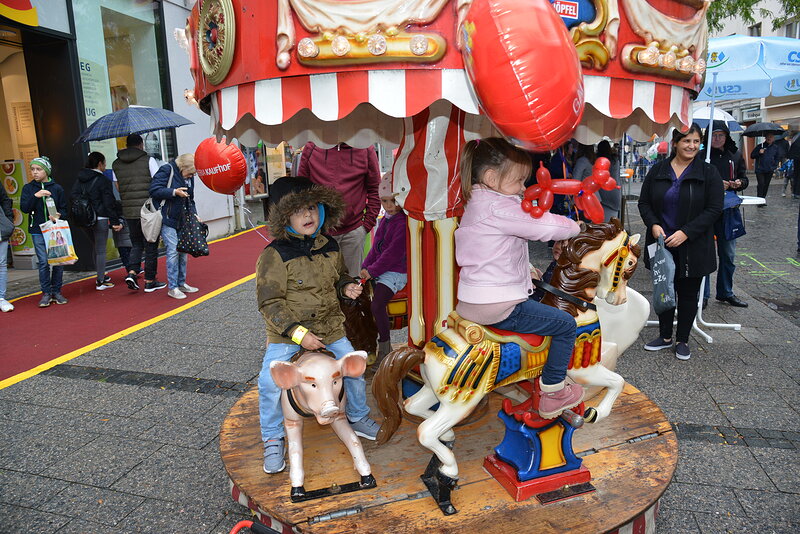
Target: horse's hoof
<point x="590" y="416"/>
<point x="367" y="481"/>
<point x="449" y="443"/>
<point x="297" y="492"/>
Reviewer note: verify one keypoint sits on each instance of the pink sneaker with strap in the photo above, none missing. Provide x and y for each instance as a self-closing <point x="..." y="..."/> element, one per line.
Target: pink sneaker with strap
<point x="555" y="398"/>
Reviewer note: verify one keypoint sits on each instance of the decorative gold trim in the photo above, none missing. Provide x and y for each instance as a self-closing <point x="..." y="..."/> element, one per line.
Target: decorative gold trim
<point x="216" y="71"/>
<point x="592" y="52"/>
<point x="398" y="49"/>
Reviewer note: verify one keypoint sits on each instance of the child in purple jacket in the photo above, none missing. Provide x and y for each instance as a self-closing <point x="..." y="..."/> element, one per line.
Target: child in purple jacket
<point x="386" y="262"/>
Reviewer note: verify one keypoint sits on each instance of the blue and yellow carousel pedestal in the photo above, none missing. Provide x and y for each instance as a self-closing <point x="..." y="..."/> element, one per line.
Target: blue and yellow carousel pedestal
<point x="535" y="457"/>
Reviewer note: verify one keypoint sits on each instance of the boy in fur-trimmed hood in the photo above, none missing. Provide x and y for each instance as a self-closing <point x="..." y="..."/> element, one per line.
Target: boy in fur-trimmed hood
<point x="299" y="278"/>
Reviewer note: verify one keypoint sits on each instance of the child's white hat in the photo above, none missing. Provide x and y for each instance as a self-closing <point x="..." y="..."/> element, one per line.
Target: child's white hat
<point x="385" y="187"/>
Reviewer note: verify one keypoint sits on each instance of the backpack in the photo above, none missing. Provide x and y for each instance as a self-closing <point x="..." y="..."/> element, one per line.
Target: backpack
<point x="81" y="211"/>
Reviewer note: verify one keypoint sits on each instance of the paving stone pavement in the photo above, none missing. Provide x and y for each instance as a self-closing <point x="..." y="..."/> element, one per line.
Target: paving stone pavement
<point x="125" y="438"/>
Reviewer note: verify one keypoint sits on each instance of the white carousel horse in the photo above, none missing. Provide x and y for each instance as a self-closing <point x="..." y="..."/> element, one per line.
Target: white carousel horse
<point x="463" y="363"/>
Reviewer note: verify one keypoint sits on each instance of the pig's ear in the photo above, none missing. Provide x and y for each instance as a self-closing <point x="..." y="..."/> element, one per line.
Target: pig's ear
<point x="354" y="363"/>
<point x="286" y="375"/>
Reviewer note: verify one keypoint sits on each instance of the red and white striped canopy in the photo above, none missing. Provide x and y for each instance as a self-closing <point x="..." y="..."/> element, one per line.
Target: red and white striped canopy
<point x="365" y="107"/>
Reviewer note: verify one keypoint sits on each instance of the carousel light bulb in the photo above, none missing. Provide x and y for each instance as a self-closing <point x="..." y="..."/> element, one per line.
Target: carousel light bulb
<point x="377" y="44"/>
<point x="648" y="56"/>
<point x="307" y="48"/>
<point x="686" y="64"/>
<point x="418" y="45"/>
<point x="668" y="59"/>
<point x="700" y="66"/>
<point x="340" y="45"/>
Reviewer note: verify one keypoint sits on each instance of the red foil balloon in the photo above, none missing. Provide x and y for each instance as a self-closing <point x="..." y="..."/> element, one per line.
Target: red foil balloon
<point x="221" y="166"/>
<point x="525" y="71"/>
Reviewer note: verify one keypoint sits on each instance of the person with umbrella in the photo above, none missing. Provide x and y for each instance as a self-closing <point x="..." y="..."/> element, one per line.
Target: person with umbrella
<point x="734" y="178"/>
<point x="766" y="156"/>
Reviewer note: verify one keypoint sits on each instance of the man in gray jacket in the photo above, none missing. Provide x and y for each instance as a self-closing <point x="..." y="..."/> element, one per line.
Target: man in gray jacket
<point x="134" y="169"/>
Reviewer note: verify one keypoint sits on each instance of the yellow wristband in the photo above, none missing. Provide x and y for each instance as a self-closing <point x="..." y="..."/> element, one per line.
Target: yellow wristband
<point x="299" y="333"/>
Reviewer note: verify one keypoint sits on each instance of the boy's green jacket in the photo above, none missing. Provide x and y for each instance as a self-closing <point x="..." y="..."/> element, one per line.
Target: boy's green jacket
<point x="299" y="280"/>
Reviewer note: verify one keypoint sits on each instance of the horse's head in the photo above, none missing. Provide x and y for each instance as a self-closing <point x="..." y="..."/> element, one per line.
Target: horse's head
<point x="597" y="263"/>
<point x="619" y="257"/>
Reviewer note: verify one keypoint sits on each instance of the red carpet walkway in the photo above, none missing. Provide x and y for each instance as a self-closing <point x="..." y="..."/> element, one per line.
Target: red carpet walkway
<point x="35" y="339"/>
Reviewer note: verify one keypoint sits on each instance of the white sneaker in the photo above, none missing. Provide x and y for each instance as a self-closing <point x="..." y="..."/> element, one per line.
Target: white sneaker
<point x="186" y="288"/>
<point x="6" y="306"/>
<point x="176" y="293"/>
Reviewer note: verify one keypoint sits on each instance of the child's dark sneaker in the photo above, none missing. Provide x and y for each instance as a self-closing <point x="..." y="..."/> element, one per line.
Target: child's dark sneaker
<point x="155" y="285"/>
<point x="274" y="452"/>
<point x="58" y="298"/>
<point x="44" y="302"/>
<point x="131" y="282"/>
<point x="366" y="428"/>
<point x="555" y="398"/>
<point x="682" y="351"/>
<point x="658" y="343"/>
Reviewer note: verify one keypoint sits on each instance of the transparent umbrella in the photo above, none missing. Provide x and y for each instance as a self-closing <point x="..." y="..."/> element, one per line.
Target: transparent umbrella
<point x="701" y="117"/>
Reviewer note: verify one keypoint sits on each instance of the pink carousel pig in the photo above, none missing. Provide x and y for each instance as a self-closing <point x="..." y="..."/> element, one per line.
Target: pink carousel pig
<point x="313" y="385"/>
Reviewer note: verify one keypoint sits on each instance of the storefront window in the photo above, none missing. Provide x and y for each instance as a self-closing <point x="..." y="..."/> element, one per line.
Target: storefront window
<point x="119" y="62"/>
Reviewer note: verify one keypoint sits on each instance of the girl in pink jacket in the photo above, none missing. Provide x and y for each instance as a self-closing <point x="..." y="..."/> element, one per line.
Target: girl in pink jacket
<point x="492" y="250"/>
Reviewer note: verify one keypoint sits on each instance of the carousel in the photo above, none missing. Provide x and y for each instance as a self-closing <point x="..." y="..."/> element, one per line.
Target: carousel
<point x="426" y="76"/>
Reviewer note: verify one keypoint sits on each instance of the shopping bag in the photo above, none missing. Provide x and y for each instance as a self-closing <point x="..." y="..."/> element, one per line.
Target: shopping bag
<point x="150" y="216"/>
<point x="663" y="268"/>
<point x="58" y="240"/>
<point x="192" y="233"/>
<point x="732" y="221"/>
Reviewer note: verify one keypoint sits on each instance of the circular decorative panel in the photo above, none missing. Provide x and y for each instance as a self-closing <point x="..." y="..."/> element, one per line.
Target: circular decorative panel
<point x="216" y="39"/>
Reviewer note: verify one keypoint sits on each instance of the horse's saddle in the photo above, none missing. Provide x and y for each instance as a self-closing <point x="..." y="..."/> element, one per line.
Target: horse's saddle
<point x="485" y="358"/>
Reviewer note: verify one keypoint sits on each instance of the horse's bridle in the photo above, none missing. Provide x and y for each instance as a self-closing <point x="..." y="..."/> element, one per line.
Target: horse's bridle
<point x="580" y="303"/>
<point x="620" y="254"/>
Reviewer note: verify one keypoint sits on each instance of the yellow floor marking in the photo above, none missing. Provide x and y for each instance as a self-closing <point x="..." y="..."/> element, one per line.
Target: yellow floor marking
<point x="113" y="337"/>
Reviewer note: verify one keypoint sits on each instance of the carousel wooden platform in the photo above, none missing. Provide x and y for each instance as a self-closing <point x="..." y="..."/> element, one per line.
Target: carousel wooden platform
<point x="631" y="455"/>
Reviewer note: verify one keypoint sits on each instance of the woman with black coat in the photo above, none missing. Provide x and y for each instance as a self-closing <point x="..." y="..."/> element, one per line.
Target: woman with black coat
<point x="98" y="190"/>
<point x="681" y="198"/>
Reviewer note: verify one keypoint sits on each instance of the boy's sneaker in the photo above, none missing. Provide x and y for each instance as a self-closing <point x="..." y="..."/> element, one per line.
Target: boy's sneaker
<point x="274" y="451"/>
<point x="131" y="282"/>
<point x="658" y="343"/>
<point x="44" y="301"/>
<point x="186" y="288"/>
<point x="552" y="403"/>
<point x="105" y="284"/>
<point x="58" y="298"/>
<point x="176" y="293"/>
<point x="6" y="306"/>
<point x="365" y="427"/>
<point x="682" y="351"/>
<point x="155" y="285"/>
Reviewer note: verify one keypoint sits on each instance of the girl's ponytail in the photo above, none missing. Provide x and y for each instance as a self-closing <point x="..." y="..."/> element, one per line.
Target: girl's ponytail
<point x="465" y="167"/>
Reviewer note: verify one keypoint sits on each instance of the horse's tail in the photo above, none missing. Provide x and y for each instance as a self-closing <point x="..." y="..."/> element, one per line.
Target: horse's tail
<point x="386" y="390"/>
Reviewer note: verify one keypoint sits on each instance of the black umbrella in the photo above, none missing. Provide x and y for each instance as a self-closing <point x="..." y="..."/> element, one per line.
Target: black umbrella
<point x="760" y="129"/>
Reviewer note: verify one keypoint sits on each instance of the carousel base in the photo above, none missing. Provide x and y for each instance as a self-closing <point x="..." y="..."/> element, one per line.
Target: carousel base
<point x="631" y="456"/>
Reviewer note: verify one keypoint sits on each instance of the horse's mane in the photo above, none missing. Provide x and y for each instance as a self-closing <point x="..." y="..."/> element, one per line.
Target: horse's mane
<point x="571" y="278"/>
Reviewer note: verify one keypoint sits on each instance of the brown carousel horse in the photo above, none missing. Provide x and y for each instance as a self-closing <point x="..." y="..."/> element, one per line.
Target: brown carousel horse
<point x="466" y="361"/>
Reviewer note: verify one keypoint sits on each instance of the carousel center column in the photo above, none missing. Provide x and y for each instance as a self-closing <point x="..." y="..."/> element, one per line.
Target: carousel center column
<point x="428" y="184"/>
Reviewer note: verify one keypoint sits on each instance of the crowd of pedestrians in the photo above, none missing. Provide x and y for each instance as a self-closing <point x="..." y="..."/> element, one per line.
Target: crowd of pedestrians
<point x="115" y="197"/>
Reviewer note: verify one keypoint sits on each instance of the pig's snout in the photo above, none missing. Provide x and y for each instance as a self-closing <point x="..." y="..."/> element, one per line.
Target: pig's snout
<point x="328" y="409"/>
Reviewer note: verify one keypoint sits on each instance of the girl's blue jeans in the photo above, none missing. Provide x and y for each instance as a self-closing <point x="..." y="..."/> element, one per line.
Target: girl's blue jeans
<point x="269" y="395"/>
<point x="531" y="317"/>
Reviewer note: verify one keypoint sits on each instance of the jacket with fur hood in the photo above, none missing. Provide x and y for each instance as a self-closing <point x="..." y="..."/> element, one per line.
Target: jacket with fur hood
<point x="300" y="279"/>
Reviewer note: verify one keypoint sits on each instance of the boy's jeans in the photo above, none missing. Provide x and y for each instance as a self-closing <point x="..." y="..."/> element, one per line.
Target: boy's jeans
<point x="50" y="283"/>
<point x="531" y="317"/>
<point x="176" y="261"/>
<point x="3" y="268"/>
<point x="269" y="394"/>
